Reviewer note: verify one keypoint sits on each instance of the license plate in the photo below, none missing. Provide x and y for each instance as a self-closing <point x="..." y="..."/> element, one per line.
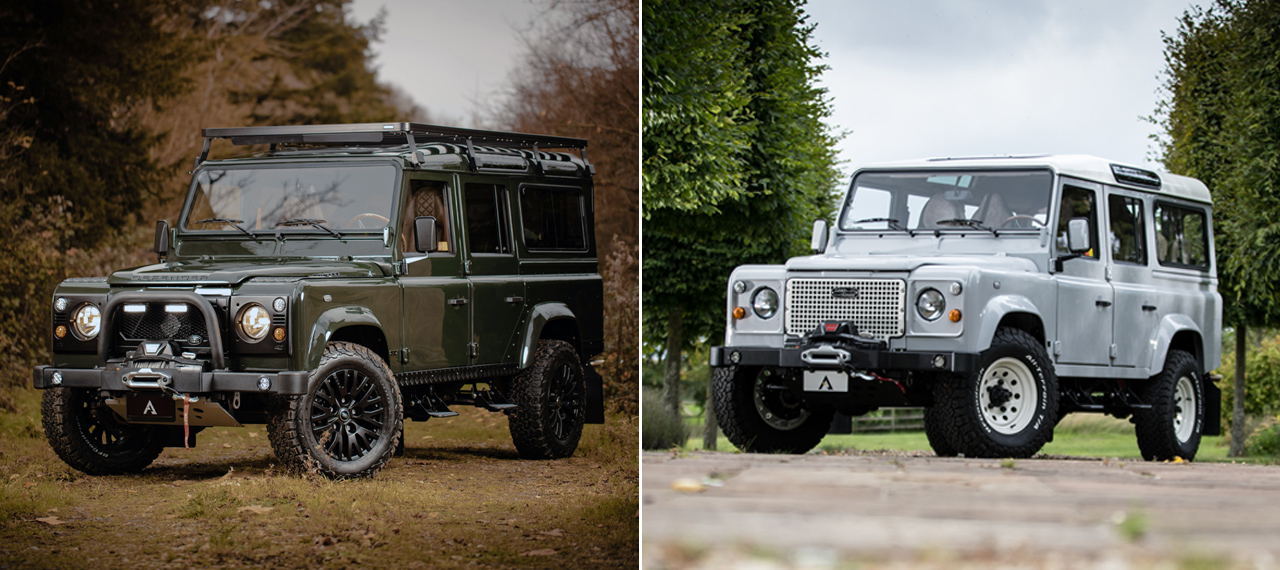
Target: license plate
<point x="150" y="407"/>
<point x="825" y="381"/>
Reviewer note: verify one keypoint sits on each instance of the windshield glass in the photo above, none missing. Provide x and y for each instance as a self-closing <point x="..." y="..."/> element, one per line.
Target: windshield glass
<point x="345" y="198"/>
<point x="937" y="200"/>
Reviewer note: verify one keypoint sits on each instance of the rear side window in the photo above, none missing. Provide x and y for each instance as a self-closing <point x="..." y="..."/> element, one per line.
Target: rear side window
<point x="553" y="218"/>
<point x="1128" y="235"/>
<point x="1182" y="236"/>
<point x="485" y="228"/>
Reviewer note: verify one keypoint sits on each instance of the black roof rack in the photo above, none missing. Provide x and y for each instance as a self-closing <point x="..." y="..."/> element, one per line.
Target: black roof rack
<point x="388" y="134"/>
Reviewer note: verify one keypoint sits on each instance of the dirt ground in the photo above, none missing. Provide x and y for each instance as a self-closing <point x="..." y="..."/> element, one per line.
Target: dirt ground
<point x="460" y="497"/>
<point x="727" y="510"/>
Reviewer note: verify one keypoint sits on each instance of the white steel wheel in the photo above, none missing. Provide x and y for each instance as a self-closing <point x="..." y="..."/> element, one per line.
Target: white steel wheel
<point x="1185" y="406"/>
<point x="777" y="407"/>
<point x="1007" y="396"/>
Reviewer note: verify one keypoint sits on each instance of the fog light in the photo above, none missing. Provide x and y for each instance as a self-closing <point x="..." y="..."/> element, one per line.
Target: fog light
<point x="939" y="361"/>
<point x="954" y="315"/>
<point x="278" y="304"/>
<point x="739" y="312"/>
<point x="61" y="304"/>
<point x="956" y="288"/>
<point x="57" y="378"/>
<point x="264" y="383"/>
<point x="61" y="331"/>
<point x="740" y="287"/>
<point x="735" y="357"/>
<point x="278" y="334"/>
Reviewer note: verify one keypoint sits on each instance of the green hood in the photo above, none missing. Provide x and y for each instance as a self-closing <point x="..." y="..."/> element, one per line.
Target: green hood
<point x="226" y="272"/>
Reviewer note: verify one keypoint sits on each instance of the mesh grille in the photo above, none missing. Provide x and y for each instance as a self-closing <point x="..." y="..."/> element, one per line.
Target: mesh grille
<point x="157" y="324"/>
<point x="876" y="306"/>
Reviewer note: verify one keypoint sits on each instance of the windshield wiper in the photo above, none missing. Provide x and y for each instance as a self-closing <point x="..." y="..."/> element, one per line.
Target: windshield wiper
<point x="313" y="222"/>
<point x="234" y="223"/>
<point x="975" y="224"/>
<point x="893" y="223"/>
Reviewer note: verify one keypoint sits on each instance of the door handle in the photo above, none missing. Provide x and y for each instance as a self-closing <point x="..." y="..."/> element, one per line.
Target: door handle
<point x="458" y="301"/>
<point x="1148" y="307"/>
<point x="1102" y="303"/>
<point x="515" y="299"/>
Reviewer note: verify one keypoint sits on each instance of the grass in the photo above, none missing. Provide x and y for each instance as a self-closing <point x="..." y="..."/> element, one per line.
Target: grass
<point x="1078" y="435"/>
<point x="459" y="497"/>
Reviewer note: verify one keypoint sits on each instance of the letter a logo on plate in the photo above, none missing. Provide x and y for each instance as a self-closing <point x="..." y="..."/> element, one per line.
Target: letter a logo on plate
<point x="150" y="409"/>
<point x="826" y="384"/>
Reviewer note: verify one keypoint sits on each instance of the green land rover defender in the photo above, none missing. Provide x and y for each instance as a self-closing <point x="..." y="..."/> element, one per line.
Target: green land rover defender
<point x="348" y="278"/>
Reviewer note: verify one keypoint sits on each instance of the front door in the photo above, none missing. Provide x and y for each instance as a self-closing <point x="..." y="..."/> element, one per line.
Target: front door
<point x="1085" y="297"/>
<point x="437" y="296"/>
<point x="494" y="271"/>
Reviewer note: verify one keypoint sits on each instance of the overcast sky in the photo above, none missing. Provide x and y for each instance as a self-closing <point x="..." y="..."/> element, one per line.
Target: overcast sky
<point x="916" y="79"/>
<point x="449" y="55"/>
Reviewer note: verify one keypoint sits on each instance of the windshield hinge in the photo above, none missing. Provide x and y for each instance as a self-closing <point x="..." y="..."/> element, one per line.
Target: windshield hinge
<point x="471" y="156"/>
<point x="204" y="155"/>
<point x="414" y="157"/>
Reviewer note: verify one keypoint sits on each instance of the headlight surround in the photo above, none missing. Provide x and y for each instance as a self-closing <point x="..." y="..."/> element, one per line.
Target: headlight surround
<point x="931" y="304"/>
<point x="254" y="322"/>
<point x="764" y="302"/>
<point x="86" y="321"/>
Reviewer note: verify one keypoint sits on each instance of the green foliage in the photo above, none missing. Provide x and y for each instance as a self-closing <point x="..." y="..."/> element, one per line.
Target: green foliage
<point x="697" y="230"/>
<point x="1262" y="373"/>
<point x="1265" y="441"/>
<point x="1221" y="116"/>
<point x="659" y="430"/>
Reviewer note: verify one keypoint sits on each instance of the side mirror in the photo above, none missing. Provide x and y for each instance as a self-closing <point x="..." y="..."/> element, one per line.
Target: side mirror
<point x="424" y="234"/>
<point x="1078" y="235"/>
<point x="162" y="239"/>
<point x="819" y="241"/>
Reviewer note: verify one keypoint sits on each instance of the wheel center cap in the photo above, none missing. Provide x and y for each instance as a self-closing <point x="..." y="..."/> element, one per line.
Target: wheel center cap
<point x="998" y="395"/>
<point x="344" y="415"/>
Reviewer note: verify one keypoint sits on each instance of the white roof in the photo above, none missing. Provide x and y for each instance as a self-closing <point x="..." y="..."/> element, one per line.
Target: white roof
<point x="1076" y="165"/>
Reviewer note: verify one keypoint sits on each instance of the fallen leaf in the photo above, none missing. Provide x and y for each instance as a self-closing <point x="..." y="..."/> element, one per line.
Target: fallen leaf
<point x="688" y="486"/>
<point x="51" y="521"/>
<point x="253" y="434"/>
<point x="552" y="532"/>
<point x="255" y="509"/>
<point x="540" y="552"/>
<point x="226" y="445"/>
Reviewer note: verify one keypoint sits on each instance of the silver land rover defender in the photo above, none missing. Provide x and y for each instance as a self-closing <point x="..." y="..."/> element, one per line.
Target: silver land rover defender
<point x="998" y="293"/>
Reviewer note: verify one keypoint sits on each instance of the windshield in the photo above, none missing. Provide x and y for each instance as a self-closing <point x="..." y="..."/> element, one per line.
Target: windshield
<point x="299" y="199"/>
<point x="935" y="200"/>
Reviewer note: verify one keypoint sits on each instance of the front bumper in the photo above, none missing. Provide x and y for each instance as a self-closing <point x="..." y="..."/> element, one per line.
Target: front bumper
<point x="860" y="359"/>
<point x="187" y="382"/>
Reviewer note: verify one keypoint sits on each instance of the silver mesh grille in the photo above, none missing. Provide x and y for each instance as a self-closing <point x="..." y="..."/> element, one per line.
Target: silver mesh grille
<point x="877" y="306"/>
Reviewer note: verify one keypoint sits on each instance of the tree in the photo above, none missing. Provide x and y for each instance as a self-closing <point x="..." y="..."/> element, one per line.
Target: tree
<point x="744" y="77"/>
<point x="1221" y="117"/>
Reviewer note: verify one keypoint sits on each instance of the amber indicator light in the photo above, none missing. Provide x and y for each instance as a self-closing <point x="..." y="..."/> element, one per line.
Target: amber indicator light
<point x="739" y="312"/>
<point x="954" y="315"/>
<point x="60" y="332"/>
<point x="278" y="334"/>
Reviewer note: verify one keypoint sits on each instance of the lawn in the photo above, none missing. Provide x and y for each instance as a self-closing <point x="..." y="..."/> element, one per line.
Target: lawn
<point x="1078" y="435"/>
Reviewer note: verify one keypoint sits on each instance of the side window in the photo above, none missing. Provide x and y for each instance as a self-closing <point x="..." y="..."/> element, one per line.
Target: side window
<point x="486" y="227"/>
<point x="1182" y="238"/>
<point x="426" y="198"/>
<point x="553" y="219"/>
<point x="1077" y="203"/>
<point x="1128" y="231"/>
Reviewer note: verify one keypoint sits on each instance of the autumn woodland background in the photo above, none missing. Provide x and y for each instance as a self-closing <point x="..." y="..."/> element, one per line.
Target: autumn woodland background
<point x="102" y="102"/>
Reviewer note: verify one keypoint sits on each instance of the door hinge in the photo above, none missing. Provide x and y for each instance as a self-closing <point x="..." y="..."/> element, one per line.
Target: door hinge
<point x="404" y="355"/>
<point x="1115" y="351"/>
<point x="1057" y="347"/>
<point x="473" y="349"/>
<point x="466" y="267"/>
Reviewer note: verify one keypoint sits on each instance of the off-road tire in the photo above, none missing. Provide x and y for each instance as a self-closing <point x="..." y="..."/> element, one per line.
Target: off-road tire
<point x="550" y="399"/>
<point x="733" y="390"/>
<point x="91" y="438"/>
<point x="1157" y="428"/>
<point x="1014" y="356"/>
<point x="935" y="418"/>
<point x="344" y="366"/>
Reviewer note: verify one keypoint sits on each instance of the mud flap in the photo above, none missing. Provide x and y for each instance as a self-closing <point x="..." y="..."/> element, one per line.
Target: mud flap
<point x="841" y="424"/>
<point x="1212" y="424"/>
<point x="595" y="396"/>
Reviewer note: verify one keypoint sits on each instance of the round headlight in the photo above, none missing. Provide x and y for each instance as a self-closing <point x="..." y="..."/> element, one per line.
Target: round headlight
<point x="86" y="321"/>
<point x="254" y="322"/>
<point x="765" y="302"/>
<point x="930" y="304"/>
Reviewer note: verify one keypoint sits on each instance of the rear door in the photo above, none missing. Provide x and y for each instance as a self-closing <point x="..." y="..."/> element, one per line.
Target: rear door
<point x="494" y="271"/>
<point x="1137" y="310"/>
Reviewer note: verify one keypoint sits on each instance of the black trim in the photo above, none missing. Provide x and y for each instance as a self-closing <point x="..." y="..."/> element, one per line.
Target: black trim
<point x="863" y="359"/>
<point x="187" y="382"/>
<point x="198" y="301"/>
<point x="456" y="374"/>
<point x="386" y="134"/>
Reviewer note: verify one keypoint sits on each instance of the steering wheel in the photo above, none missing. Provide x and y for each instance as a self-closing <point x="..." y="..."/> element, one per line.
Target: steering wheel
<point x="1017" y="221"/>
<point x="370" y="215"/>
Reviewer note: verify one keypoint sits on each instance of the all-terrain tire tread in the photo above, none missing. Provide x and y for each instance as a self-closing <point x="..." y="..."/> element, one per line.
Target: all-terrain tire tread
<point x="59" y="428"/>
<point x="531" y="437"/>
<point x="731" y="392"/>
<point x="1156" y="440"/>
<point x="962" y="430"/>
<point x="935" y="418"/>
<point x="283" y="412"/>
